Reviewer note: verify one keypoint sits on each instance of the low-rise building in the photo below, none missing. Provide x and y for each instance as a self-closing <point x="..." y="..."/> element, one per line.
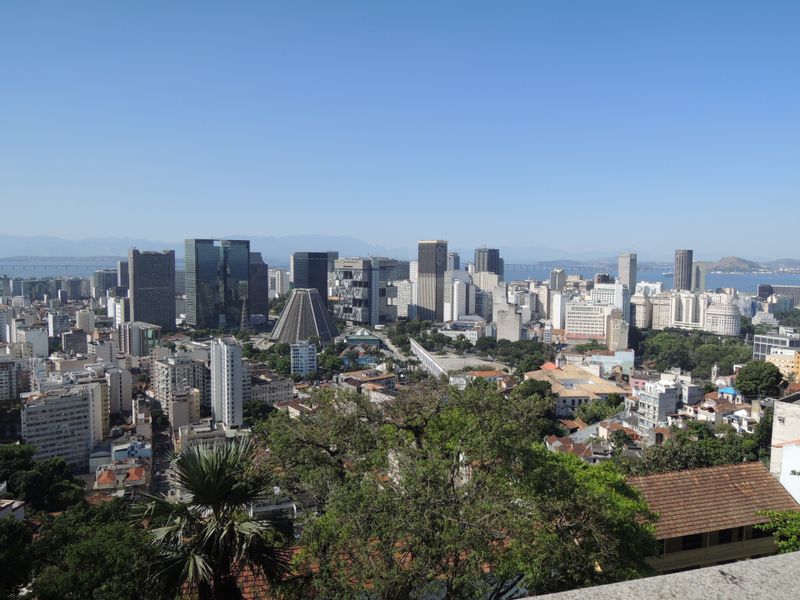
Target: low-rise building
<point x="708" y="516"/>
<point x="574" y="386"/>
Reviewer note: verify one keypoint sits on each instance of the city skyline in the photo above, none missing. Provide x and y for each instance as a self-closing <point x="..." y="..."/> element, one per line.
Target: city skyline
<point x="601" y="111"/>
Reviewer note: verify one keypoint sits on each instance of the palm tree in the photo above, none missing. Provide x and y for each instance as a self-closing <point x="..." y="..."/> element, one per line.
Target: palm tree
<point x="207" y="541"/>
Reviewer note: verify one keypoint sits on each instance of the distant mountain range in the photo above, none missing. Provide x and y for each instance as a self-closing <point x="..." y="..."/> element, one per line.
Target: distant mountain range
<point x="276" y="250"/>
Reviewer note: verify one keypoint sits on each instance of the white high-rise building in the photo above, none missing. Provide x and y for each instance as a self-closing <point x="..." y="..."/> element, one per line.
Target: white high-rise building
<point x="558" y="310"/>
<point x="613" y="294"/>
<point x="649" y="288"/>
<point x="278" y="282"/>
<point x="226" y="381"/>
<point x="586" y="320"/>
<point x="6" y="323"/>
<point x="64" y="422"/>
<point x="303" y="355"/>
<point x="641" y="311"/>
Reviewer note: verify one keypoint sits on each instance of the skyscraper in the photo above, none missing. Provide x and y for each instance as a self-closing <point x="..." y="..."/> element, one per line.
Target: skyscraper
<point x="122" y="274"/>
<point x="151" y="286"/>
<point x="558" y="279"/>
<point x="453" y="261"/>
<point x="227" y="376"/>
<point x="487" y="260"/>
<point x="432" y="263"/>
<point x="626" y="271"/>
<point x="311" y="271"/>
<point x="259" y="285"/>
<point x="683" y="270"/>
<point x="699" y="277"/>
<point x="102" y="281"/>
<point x="217" y="282"/>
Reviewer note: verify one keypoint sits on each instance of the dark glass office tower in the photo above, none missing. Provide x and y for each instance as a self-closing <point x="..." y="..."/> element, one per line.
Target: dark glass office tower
<point x="683" y="270"/>
<point x="151" y="286"/>
<point x="259" y="285"/>
<point x="487" y="260"/>
<point x="311" y="271"/>
<point x="217" y="283"/>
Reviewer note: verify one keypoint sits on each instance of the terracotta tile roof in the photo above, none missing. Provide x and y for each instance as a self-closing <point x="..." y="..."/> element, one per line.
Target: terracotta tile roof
<point x="135" y="474"/>
<point x="486" y="373"/>
<point x="548" y="366"/>
<point x="107" y="477"/>
<point x="713" y="498"/>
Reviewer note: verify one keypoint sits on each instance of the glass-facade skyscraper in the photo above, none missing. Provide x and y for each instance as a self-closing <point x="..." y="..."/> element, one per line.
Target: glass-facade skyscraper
<point x="217" y="283"/>
<point x="310" y="270"/>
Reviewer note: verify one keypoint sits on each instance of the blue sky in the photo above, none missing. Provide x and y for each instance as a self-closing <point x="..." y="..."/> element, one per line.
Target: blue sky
<point x="591" y="127"/>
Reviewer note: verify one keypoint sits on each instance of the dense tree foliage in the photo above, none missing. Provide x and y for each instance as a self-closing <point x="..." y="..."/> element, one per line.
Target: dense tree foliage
<point x="44" y="484"/>
<point x="15" y="555"/>
<point x="597" y="410"/>
<point x="276" y="357"/>
<point x="785" y="526"/>
<point x="694" y="447"/>
<point x="92" y="552"/>
<point x="452" y="493"/>
<point x="204" y="542"/>
<point x="759" y="378"/>
<point x="276" y="305"/>
<point x="789" y="319"/>
<point x="693" y="351"/>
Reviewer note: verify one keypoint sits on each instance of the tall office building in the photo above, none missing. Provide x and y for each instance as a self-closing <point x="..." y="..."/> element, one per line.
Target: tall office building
<point x="259" y="285"/>
<point x="432" y="264"/>
<point x="683" y="270"/>
<point x="699" y="277"/>
<point x="364" y="287"/>
<point x="487" y="260"/>
<point x="227" y="377"/>
<point x="102" y="281"/>
<point x="151" y="287"/>
<point x="453" y="261"/>
<point x="310" y="270"/>
<point x="122" y="274"/>
<point x="626" y="271"/>
<point x="333" y="256"/>
<point x="558" y="279"/>
<point x="217" y="282"/>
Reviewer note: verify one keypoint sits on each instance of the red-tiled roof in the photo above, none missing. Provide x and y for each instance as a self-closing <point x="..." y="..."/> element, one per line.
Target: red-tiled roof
<point x="713" y="498"/>
<point x="135" y="474"/>
<point x="548" y="366"/>
<point x="106" y="477"/>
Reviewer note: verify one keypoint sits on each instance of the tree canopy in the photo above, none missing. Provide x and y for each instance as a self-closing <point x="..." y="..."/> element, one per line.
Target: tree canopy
<point x="694" y="351"/>
<point x="697" y="446"/>
<point x="597" y="410"/>
<point x="452" y="492"/>
<point x="759" y="378"/>
<point x="44" y="484"/>
<point x="92" y="552"/>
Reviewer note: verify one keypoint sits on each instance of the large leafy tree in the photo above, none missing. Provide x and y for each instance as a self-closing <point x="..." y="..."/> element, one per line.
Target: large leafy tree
<point x="785" y="526"/>
<point x="759" y="378"/>
<point x="92" y="552"/>
<point x="45" y="484"/>
<point x="15" y="555"/>
<point x="451" y="493"/>
<point x="695" y="447"/>
<point x="208" y="540"/>
<point x="597" y="410"/>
